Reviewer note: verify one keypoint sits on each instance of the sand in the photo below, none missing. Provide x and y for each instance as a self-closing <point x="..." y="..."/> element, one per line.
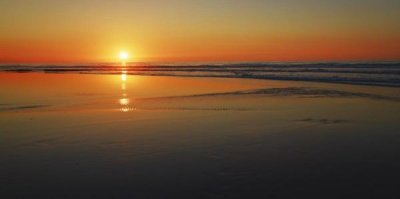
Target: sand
<point x="122" y="136"/>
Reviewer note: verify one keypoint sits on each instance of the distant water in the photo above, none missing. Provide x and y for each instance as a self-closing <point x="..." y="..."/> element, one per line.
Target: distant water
<point x="371" y="73"/>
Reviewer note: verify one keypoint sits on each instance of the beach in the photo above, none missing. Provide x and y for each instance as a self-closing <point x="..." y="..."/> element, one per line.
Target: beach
<point x="70" y="135"/>
<point x="210" y="99"/>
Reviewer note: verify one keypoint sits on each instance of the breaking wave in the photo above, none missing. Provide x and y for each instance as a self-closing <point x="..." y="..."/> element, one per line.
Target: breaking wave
<point x="378" y="74"/>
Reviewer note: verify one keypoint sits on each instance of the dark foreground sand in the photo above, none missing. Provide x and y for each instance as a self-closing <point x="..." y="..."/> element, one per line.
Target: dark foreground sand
<point x="109" y="136"/>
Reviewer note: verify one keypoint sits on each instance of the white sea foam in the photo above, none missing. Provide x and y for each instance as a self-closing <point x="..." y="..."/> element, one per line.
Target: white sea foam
<point x="379" y="74"/>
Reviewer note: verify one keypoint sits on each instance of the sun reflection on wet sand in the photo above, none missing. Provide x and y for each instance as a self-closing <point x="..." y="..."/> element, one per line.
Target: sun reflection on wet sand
<point x="123" y="76"/>
<point x="124" y="101"/>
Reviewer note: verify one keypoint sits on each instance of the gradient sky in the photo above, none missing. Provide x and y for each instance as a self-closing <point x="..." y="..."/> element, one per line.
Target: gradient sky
<point x="47" y="31"/>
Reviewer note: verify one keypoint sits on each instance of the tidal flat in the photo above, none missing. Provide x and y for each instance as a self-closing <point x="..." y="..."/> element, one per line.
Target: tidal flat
<point x="127" y="136"/>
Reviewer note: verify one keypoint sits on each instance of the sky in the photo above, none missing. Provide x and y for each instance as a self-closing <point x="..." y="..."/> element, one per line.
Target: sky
<point x="80" y="31"/>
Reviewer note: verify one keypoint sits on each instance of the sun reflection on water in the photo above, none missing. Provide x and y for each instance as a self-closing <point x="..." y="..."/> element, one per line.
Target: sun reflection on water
<point x="124" y="101"/>
<point x="123" y="76"/>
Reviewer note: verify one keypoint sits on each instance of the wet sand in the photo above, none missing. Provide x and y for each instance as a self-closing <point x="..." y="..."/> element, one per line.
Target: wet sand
<point x="123" y="136"/>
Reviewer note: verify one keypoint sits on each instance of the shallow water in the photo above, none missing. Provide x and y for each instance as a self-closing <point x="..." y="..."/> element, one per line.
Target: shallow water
<point x="123" y="136"/>
<point x="356" y="73"/>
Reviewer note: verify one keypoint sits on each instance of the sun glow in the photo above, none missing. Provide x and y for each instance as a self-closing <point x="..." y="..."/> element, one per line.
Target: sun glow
<point x="124" y="101"/>
<point x="123" y="77"/>
<point x="123" y="55"/>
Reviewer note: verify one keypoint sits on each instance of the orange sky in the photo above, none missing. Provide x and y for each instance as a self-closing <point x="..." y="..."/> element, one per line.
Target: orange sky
<point x="46" y="31"/>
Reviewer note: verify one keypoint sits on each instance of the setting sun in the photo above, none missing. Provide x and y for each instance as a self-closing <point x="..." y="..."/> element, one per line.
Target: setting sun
<point x="123" y="55"/>
<point x="199" y="98"/>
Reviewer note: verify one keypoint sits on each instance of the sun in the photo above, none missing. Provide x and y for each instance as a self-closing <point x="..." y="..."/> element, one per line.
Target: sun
<point x="123" y="55"/>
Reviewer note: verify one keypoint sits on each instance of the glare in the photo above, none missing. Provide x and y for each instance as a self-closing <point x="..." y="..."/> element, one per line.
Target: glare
<point x="123" y="77"/>
<point x="124" y="101"/>
<point x="123" y="55"/>
<point x="126" y="109"/>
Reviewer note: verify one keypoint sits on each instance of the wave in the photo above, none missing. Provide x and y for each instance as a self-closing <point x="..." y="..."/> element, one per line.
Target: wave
<point x="372" y="73"/>
<point x="9" y="107"/>
<point x="290" y="91"/>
